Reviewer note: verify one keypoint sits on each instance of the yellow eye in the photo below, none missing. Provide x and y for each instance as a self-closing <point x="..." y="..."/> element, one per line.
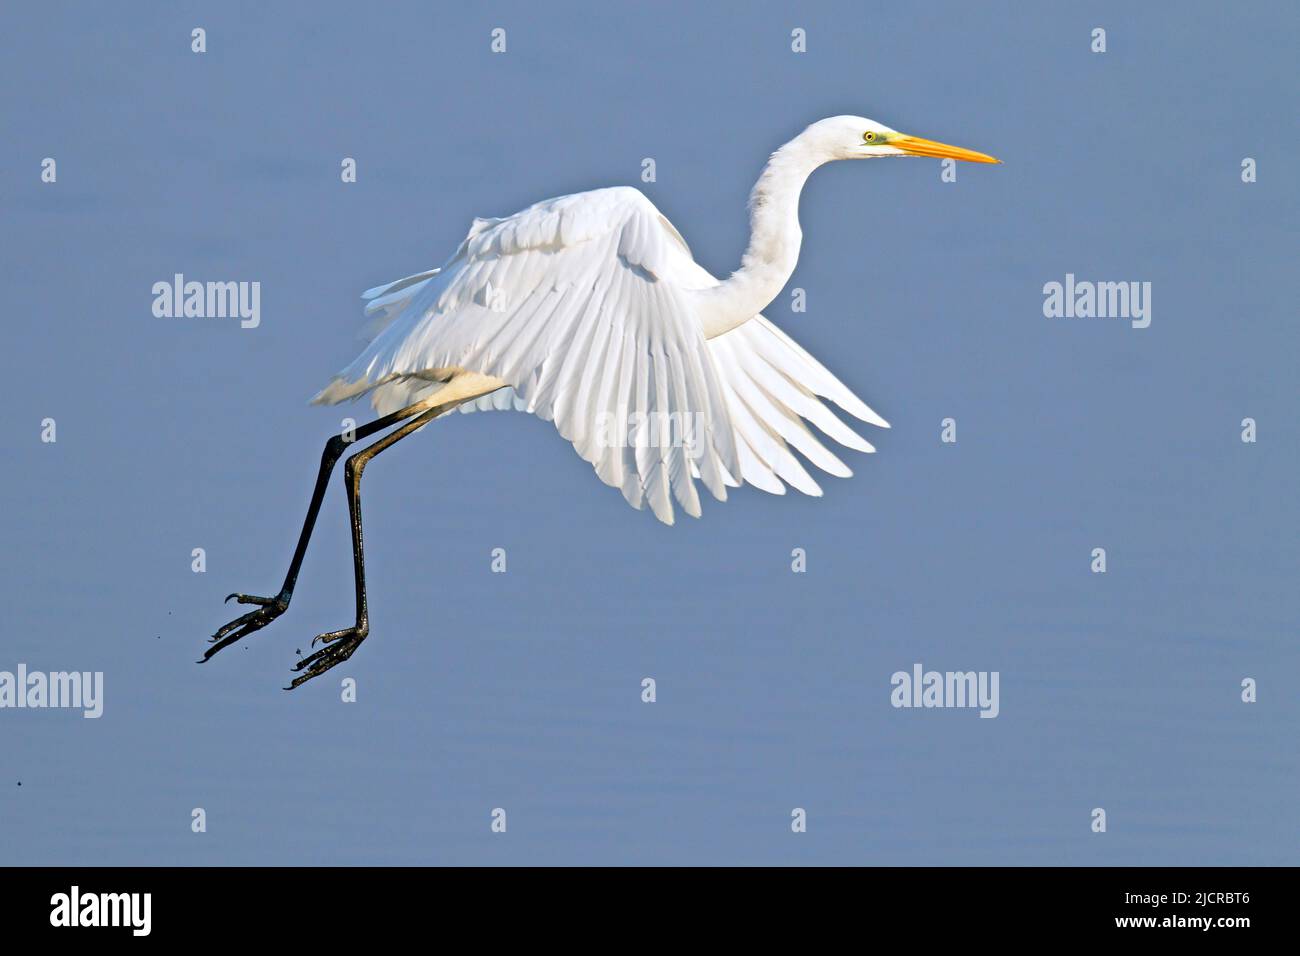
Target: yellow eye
<point x="869" y="137"/>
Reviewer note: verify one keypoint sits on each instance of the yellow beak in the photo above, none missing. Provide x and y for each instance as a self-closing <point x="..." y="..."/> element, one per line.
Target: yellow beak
<point x="916" y="146"/>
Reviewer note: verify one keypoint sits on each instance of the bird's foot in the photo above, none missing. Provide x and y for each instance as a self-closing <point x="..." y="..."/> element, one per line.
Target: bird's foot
<point x="268" y="609"/>
<point x="339" y="646"/>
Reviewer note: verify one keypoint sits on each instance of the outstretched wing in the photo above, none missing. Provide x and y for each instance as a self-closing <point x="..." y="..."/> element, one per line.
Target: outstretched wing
<point x="772" y="385"/>
<point x="581" y="305"/>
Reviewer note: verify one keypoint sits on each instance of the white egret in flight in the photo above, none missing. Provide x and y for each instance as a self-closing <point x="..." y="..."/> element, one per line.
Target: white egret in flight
<point x="589" y="311"/>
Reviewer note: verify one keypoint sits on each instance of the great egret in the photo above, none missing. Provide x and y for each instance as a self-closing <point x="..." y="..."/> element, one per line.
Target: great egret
<point x="589" y="311"/>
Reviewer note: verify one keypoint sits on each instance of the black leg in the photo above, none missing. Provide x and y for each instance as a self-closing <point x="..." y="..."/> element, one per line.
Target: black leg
<point x="340" y="644"/>
<point x="268" y="609"/>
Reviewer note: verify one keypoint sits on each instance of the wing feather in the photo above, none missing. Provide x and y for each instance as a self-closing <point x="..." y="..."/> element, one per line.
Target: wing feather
<point x="583" y="306"/>
<point x="772" y="386"/>
<point x="575" y="304"/>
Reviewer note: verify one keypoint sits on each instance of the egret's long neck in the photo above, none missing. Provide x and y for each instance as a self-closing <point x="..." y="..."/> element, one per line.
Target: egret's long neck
<point x="774" y="242"/>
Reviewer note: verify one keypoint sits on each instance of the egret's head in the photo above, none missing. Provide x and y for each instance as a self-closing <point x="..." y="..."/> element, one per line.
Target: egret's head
<point x="856" y="137"/>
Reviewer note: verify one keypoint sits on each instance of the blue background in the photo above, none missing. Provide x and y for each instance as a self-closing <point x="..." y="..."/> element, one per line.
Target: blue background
<point x="522" y="690"/>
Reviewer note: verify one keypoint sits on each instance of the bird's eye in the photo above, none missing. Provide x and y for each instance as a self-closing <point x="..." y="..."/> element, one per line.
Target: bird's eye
<point x="869" y="137"/>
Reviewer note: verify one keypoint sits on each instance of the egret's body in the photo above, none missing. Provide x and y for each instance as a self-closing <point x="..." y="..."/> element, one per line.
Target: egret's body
<point x="589" y="311"/>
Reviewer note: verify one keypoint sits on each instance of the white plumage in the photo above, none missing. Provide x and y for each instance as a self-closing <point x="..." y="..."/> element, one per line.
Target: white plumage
<point x="589" y="311"/>
<point x="578" y="306"/>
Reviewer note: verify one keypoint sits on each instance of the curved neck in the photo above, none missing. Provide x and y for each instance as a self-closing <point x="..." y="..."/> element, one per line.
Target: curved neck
<point x="774" y="240"/>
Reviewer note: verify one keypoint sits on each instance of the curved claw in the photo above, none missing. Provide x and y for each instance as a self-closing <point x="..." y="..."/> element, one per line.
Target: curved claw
<point x="329" y="637"/>
<point x="330" y="656"/>
<point x="268" y="609"/>
<point x="307" y="660"/>
<point x="249" y="599"/>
